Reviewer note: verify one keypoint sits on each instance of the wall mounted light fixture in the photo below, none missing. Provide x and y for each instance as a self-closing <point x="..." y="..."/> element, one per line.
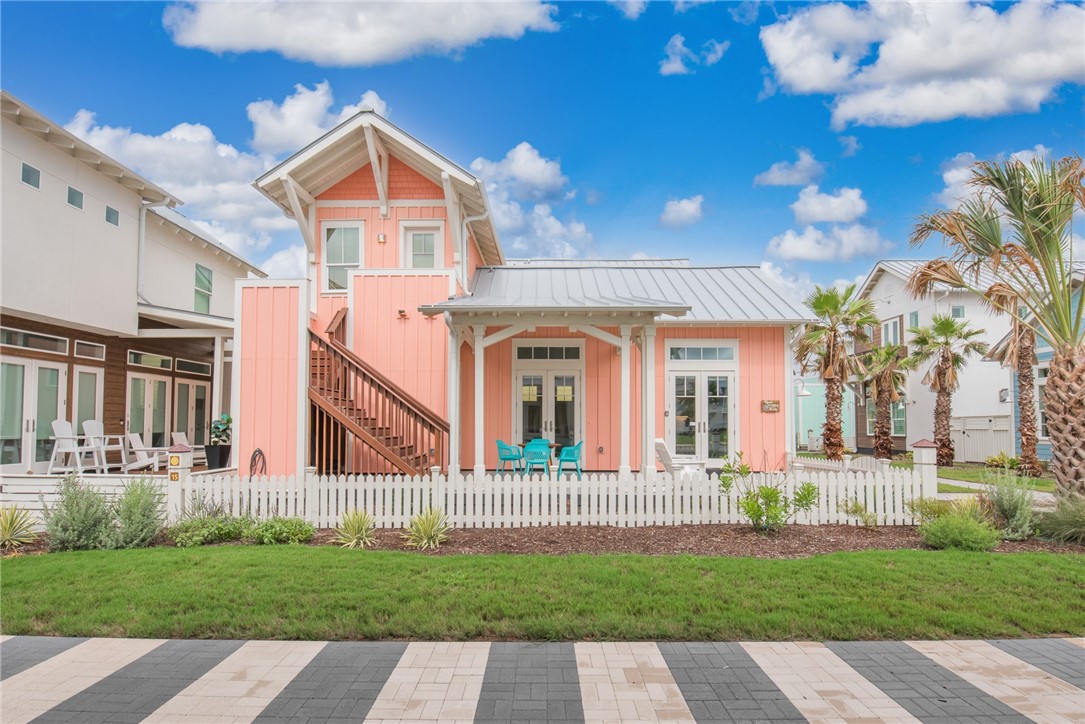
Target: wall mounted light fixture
<point x="381" y="238"/>
<point x="402" y="313"/>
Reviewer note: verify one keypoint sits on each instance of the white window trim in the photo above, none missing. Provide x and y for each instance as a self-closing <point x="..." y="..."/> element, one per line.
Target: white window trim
<point x="1038" y="392"/>
<point x="889" y="323"/>
<point x="99" y="395"/>
<point x="67" y="342"/>
<point x="78" y="342"/>
<point x="24" y="183"/>
<point x="128" y="359"/>
<point x="406" y="226"/>
<point x="82" y="198"/>
<point x="872" y="419"/>
<point x="209" y="366"/>
<point x="196" y="290"/>
<point x="964" y="311"/>
<point x="340" y="224"/>
<point x="105" y="216"/>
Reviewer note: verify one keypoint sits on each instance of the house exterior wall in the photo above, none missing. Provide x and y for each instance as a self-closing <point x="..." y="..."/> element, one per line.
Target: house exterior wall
<point x="810" y="411"/>
<point x="981" y="380"/>
<point x="62" y="263"/>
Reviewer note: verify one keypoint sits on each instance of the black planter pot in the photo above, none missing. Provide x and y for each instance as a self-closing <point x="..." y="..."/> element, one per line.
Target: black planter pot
<point x="218" y="456"/>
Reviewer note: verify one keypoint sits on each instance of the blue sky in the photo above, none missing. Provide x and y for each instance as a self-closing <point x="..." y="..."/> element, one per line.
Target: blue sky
<point x="805" y="136"/>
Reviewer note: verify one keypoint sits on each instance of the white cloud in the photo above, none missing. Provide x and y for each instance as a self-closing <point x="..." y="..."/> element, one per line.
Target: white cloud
<point x="850" y="145"/>
<point x="713" y="51"/>
<point x="901" y="64"/>
<point x="842" y="206"/>
<point x="805" y="170"/>
<point x="288" y="263"/>
<point x="642" y="256"/>
<point x="351" y="34"/>
<point x="631" y="9"/>
<point x="679" y="213"/>
<point x="525" y="171"/>
<point x="745" y="12"/>
<point x="211" y="177"/>
<point x="303" y="117"/>
<point x="520" y="186"/>
<point x="957" y="170"/>
<point x="798" y="285"/>
<point x="675" y="56"/>
<point x="841" y="243"/>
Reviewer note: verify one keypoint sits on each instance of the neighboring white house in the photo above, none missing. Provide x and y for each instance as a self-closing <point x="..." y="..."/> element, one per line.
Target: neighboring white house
<point x="113" y="306"/>
<point x="982" y="421"/>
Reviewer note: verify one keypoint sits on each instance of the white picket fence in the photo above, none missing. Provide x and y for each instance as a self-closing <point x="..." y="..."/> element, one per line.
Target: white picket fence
<point x="515" y="502"/>
<point x="30" y="491"/>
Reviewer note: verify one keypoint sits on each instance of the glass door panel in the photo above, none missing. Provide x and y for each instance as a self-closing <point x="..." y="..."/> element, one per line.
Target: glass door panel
<point x="12" y="377"/>
<point x="685" y="415"/>
<point x="48" y="408"/>
<point x="159" y="411"/>
<point x="88" y="398"/>
<point x="181" y="414"/>
<point x="717" y="412"/>
<point x="137" y="405"/>
<point x="199" y="416"/>
<point x="531" y="407"/>
<point x="564" y="395"/>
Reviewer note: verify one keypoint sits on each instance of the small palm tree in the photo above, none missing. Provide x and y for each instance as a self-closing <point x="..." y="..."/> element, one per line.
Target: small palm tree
<point x="826" y="346"/>
<point x="886" y="375"/>
<point x="947" y="344"/>
<point x="1020" y="354"/>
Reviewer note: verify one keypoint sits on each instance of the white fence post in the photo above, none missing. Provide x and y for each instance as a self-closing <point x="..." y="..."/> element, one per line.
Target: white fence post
<point x="925" y="461"/>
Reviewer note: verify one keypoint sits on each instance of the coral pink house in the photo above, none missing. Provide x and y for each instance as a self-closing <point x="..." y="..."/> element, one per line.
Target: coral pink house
<point x="414" y="343"/>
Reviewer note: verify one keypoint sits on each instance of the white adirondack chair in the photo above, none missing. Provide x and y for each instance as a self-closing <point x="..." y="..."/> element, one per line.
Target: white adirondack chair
<point x="145" y="457"/>
<point x="680" y="466"/>
<point x="94" y="432"/>
<point x="67" y="447"/>
<point x="199" y="455"/>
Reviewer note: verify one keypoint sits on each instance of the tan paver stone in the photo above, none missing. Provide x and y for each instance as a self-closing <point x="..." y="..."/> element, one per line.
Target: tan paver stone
<point x="1077" y="642"/>
<point x="32" y="692"/>
<point x="822" y="686"/>
<point x="241" y="685"/>
<point x="1017" y="684"/>
<point x="438" y="682"/>
<point x="628" y="682"/>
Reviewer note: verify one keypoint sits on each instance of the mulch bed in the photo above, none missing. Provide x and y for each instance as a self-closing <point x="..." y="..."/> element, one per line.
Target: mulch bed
<point x="797" y="541"/>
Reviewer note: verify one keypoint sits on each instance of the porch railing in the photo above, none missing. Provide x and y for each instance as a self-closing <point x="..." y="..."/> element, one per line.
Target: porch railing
<point x="364" y="422"/>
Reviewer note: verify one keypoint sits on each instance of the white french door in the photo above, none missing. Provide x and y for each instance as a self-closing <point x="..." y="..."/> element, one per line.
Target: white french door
<point x="149" y="408"/>
<point x="549" y="405"/>
<point x="701" y="415"/>
<point x="33" y="393"/>
<point x="87" y="395"/>
<point x="191" y="406"/>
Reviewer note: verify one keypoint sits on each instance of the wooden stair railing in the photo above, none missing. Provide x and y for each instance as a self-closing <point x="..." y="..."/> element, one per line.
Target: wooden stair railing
<point x="351" y="399"/>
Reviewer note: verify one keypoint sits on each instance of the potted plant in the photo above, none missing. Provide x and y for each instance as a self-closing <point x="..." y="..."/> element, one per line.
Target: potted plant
<point x="218" y="451"/>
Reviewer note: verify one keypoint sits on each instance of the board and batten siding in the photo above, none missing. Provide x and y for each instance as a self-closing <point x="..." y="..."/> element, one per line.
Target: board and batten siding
<point x="271" y="375"/>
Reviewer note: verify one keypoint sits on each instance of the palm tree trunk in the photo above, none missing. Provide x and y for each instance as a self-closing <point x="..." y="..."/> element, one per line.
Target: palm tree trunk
<point x="883" y="443"/>
<point x="832" y="435"/>
<point x="1064" y="405"/>
<point x="1029" y="465"/>
<point x="943" y="410"/>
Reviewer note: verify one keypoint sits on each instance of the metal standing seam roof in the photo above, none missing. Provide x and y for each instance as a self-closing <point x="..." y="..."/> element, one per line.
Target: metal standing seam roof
<point x="737" y="295"/>
<point x="903" y="268"/>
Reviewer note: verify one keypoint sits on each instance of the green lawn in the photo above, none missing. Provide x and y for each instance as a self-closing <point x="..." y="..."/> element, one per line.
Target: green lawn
<point x="950" y="488"/>
<point x="972" y="473"/>
<point x="300" y="592"/>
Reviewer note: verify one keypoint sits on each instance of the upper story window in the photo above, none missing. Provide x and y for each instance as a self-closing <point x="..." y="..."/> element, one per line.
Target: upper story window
<point x="957" y="311"/>
<point x="112" y="216"/>
<point x="89" y="350"/>
<point x="913" y="320"/>
<point x="898" y="416"/>
<point x="31" y="176"/>
<point x="891" y="332"/>
<point x="203" y="290"/>
<point x="342" y="252"/>
<point x="33" y="340"/>
<point x="1041" y="415"/>
<point x="423" y="245"/>
<point x="75" y="197"/>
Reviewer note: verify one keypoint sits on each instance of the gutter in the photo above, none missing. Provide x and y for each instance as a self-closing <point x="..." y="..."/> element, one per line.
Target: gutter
<point x="464" y="236"/>
<point x="140" y="244"/>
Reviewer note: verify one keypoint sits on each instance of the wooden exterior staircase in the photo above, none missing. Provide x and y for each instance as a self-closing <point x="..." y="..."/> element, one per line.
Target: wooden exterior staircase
<point x="362" y="422"/>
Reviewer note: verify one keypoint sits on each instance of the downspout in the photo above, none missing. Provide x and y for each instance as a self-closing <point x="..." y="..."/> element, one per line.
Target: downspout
<point x="139" y="246"/>
<point x="470" y="220"/>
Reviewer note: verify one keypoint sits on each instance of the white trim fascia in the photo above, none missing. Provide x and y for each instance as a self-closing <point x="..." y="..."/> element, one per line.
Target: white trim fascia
<point x="380" y="171"/>
<point x="372" y="204"/>
<point x="593" y="331"/>
<point x="236" y="364"/>
<point x="208" y="333"/>
<point x="790" y="448"/>
<point x="503" y="334"/>
<point x="300" y="217"/>
<point x="302" y="439"/>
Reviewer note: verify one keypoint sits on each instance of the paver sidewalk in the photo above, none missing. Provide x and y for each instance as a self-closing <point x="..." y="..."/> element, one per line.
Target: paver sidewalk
<point x="133" y="680"/>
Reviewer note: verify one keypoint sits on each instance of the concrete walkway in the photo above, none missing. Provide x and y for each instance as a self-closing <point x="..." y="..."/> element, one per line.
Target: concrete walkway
<point x="132" y="680"/>
<point x="1042" y="501"/>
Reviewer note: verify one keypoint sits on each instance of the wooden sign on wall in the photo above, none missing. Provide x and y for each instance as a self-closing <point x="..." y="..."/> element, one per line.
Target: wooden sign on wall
<point x="770" y="405"/>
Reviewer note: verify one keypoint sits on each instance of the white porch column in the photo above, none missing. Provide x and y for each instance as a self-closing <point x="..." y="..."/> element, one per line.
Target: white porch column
<point x="480" y="402"/>
<point x="216" y="380"/>
<point x="623" y="448"/>
<point x="648" y="402"/>
<point x="455" y="414"/>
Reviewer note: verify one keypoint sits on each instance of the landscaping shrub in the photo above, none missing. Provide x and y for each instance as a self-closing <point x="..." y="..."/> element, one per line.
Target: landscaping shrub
<point x="960" y="531"/>
<point x="1011" y="500"/>
<point x="80" y="520"/>
<point x="1002" y="460"/>
<point x="16" y="527"/>
<point x="202" y="530"/>
<point x="767" y="507"/>
<point x="428" y="529"/>
<point x="854" y="509"/>
<point x="280" y="530"/>
<point x="140" y="510"/>
<point x="1066" y="523"/>
<point x="927" y="509"/>
<point x="356" y="530"/>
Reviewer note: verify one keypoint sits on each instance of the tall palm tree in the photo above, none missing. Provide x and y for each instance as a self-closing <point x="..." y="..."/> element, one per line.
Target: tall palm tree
<point x="886" y="375"/>
<point x="946" y="343"/>
<point x="826" y="346"/>
<point x="1018" y="227"/>
<point x="1019" y="353"/>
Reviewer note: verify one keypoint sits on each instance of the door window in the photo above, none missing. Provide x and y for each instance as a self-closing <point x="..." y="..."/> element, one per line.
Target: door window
<point x="531" y="407"/>
<point x="564" y="410"/>
<point x="685" y="415"/>
<point x="11" y="413"/>
<point x="718" y="402"/>
<point x="48" y="405"/>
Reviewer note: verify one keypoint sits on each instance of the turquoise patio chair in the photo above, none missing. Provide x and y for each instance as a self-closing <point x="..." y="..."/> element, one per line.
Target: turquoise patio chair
<point x="570" y="455"/>
<point x="509" y="454"/>
<point x="537" y="455"/>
